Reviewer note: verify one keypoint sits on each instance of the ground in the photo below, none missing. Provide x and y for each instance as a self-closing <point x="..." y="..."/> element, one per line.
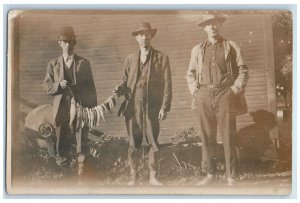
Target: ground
<point x="179" y="162"/>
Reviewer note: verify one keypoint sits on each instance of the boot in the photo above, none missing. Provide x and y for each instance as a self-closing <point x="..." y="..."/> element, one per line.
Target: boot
<point x="132" y="179"/>
<point x="61" y="161"/>
<point x="153" y="180"/>
<point x="80" y="160"/>
<point x="206" y="181"/>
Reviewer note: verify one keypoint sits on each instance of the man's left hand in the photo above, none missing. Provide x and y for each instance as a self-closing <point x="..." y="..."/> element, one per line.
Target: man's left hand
<point x="162" y="115"/>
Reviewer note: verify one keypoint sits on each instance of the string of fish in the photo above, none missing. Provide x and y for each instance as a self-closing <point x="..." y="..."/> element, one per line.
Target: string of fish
<point x="90" y="117"/>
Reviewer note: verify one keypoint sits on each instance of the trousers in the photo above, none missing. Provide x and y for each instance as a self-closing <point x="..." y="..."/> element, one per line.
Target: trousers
<point x="65" y="135"/>
<point x="142" y="128"/>
<point x="216" y="112"/>
<point x="138" y="134"/>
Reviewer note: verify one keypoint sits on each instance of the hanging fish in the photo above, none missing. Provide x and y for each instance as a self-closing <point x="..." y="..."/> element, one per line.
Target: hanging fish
<point x="111" y="104"/>
<point x="104" y="107"/>
<point x="88" y="117"/>
<point x="83" y="117"/>
<point x="101" y="109"/>
<point x="93" y="113"/>
<point x="72" y="110"/>
<point x="98" y="115"/>
<point x="79" y="117"/>
<point x="92" y="118"/>
<point x="107" y="106"/>
<point x="114" y="101"/>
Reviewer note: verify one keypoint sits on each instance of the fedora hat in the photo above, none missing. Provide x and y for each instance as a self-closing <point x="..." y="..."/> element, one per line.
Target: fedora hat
<point x="207" y="18"/>
<point x="65" y="33"/>
<point x="142" y="27"/>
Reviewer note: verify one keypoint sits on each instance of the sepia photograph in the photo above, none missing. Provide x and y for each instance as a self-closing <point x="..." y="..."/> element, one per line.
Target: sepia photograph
<point x="182" y="102"/>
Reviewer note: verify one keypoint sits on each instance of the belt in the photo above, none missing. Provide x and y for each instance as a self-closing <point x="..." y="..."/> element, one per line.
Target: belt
<point x="212" y="86"/>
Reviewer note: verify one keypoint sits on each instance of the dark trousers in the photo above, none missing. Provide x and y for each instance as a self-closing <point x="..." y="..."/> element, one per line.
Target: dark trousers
<point x="215" y="111"/>
<point x="65" y="135"/>
<point x="141" y="127"/>
<point x="63" y="131"/>
<point x="136" y="134"/>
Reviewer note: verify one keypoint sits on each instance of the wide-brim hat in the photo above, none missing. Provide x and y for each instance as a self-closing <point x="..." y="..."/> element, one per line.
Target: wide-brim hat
<point x="142" y="27"/>
<point x="66" y="33"/>
<point x="208" y="18"/>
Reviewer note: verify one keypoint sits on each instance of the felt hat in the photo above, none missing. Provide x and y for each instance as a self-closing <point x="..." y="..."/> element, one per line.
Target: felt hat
<point x="142" y="27"/>
<point x="65" y="33"/>
<point x="208" y="18"/>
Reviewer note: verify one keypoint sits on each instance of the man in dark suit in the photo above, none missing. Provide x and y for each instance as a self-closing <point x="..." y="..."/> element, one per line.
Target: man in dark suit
<point x="217" y="77"/>
<point x="69" y="76"/>
<point x="147" y="86"/>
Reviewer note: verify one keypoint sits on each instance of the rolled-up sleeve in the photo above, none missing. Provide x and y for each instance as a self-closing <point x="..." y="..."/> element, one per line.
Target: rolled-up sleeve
<point x="191" y="75"/>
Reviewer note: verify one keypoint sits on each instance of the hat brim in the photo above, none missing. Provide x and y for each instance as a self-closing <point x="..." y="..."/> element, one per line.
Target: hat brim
<point x="65" y="37"/>
<point x="152" y="31"/>
<point x="218" y="19"/>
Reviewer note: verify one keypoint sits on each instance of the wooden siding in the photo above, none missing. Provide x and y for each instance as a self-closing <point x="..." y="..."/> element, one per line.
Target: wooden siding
<point x="104" y="38"/>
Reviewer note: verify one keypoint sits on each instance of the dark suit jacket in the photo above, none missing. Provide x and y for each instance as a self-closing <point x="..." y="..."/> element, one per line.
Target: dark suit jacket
<point x="84" y="88"/>
<point x="159" y="82"/>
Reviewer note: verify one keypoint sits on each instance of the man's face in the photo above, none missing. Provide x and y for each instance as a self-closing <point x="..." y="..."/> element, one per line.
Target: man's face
<point x="212" y="29"/>
<point x="144" y="39"/>
<point x="67" y="46"/>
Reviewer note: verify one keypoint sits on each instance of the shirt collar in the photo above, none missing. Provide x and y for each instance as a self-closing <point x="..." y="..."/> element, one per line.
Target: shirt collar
<point x="219" y="42"/>
<point x="148" y="53"/>
<point x="70" y="58"/>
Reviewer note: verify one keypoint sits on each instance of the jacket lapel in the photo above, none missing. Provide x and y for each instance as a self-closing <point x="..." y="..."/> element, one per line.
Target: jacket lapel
<point x="134" y="67"/>
<point x="152" y="62"/>
<point x="77" y="64"/>
<point x="226" y="48"/>
<point x="200" y="60"/>
<point x="202" y="48"/>
<point x="61" y="68"/>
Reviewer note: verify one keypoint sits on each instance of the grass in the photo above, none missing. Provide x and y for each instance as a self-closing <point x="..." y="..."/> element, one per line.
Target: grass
<point x="179" y="163"/>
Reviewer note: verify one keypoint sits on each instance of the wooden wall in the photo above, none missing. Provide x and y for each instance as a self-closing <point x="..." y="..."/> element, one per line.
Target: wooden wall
<point x="105" y="39"/>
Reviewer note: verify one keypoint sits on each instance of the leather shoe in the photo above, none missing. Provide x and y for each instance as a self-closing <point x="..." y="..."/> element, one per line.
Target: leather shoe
<point x="61" y="161"/>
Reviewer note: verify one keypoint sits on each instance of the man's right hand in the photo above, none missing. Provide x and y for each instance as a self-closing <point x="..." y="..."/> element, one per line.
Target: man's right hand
<point x="117" y="90"/>
<point x="63" y="84"/>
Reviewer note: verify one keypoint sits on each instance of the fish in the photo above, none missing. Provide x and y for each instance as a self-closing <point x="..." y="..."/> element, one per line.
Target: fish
<point x="111" y="104"/>
<point x="98" y="115"/>
<point x="101" y="112"/>
<point x="114" y="101"/>
<point x="79" y="115"/>
<point x="92" y="118"/>
<point x="72" y="110"/>
<point x="103" y="106"/>
<point x="88" y="117"/>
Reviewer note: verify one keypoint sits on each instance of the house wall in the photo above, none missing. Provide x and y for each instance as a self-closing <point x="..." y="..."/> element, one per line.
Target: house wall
<point x="104" y="38"/>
